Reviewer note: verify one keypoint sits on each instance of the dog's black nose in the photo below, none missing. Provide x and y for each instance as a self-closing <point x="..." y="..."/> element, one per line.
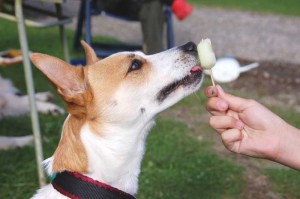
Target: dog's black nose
<point x="189" y="47"/>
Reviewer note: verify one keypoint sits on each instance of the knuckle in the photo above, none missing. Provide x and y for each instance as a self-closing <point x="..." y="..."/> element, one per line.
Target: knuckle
<point x="212" y="121"/>
<point x="224" y="137"/>
<point x="231" y="121"/>
<point x="251" y="102"/>
<point x="209" y="104"/>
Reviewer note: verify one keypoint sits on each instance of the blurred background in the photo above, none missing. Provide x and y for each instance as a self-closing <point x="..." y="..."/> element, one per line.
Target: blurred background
<point x="185" y="157"/>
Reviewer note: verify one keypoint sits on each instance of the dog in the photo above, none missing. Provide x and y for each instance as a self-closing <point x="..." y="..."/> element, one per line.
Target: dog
<point x="10" y="142"/>
<point x="12" y="103"/>
<point x="112" y="104"/>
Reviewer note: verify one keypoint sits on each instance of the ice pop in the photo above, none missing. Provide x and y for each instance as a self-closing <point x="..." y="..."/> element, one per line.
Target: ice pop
<point x="207" y="56"/>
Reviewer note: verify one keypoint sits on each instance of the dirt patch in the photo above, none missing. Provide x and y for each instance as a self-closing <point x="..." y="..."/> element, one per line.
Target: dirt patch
<point x="274" y="83"/>
<point x="258" y="185"/>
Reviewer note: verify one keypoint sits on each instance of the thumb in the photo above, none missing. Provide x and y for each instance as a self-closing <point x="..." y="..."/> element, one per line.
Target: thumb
<point x="235" y="103"/>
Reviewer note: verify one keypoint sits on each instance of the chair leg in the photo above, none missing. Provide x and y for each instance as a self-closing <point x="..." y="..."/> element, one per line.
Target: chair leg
<point x="88" y="18"/>
<point x="79" y="28"/>
<point x="30" y="90"/>
<point x="170" y="31"/>
<point x="152" y="27"/>
<point x="63" y="35"/>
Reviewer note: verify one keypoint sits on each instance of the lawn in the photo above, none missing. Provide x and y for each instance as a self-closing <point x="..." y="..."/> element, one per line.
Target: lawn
<point x="283" y="7"/>
<point x="177" y="164"/>
<point x="188" y="172"/>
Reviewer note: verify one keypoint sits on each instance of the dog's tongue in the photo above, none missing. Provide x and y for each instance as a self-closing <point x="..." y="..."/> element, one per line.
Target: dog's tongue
<point x="196" y="69"/>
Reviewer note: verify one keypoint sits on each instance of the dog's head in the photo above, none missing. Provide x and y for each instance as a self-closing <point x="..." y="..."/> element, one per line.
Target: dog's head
<point x="117" y="96"/>
<point x="123" y="87"/>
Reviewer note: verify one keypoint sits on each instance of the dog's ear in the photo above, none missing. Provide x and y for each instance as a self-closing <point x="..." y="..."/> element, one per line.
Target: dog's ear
<point x="90" y="54"/>
<point x="68" y="80"/>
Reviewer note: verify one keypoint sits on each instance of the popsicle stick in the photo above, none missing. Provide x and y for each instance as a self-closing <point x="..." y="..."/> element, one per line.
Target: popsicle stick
<point x="212" y="77"/>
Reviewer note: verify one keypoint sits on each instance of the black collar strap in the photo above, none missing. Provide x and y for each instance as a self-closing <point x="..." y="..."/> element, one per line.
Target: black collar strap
<point x="77" y="186"/>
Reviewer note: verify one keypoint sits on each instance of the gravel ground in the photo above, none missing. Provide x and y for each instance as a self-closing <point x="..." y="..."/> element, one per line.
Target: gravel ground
<point x="272" y="40"/>
<point x="246" y="35"/>
<point x="242" y="34"/>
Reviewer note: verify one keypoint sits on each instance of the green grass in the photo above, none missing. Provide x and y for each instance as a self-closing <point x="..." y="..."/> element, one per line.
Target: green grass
<point x="286" y="182"/>
<point x="283" y="7"/>
<point x="176" y="164"/>
<point x="18" y="172"/>
<point x="289" y="115"/>
<point x="185" y="173"/>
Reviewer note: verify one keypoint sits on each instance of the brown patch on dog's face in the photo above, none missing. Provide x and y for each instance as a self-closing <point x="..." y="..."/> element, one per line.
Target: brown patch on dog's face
<point x="118" y="69"/>
<point x="107" y="76"/>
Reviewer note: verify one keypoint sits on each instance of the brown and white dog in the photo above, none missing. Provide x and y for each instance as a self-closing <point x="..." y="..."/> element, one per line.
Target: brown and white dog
<point x="13" y="104"/>
<point x="112" y="105"/>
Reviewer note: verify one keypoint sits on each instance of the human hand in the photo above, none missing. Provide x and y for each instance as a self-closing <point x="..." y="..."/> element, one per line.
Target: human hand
<point x="245" y="126"/>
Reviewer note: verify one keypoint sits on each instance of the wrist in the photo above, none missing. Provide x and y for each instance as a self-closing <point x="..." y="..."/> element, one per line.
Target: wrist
<point x="289" y="147"/>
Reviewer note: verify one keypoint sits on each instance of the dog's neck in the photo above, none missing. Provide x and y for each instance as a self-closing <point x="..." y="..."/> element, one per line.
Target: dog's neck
<point x="115" y="158"/>
<point x="113" y="153"/>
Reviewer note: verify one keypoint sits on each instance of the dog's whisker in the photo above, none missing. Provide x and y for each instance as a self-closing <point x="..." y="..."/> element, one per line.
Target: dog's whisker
<point x="198" y="97"/>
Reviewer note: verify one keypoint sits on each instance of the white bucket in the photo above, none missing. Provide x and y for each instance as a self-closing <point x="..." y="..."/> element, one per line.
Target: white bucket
<point x="228" y="69"/>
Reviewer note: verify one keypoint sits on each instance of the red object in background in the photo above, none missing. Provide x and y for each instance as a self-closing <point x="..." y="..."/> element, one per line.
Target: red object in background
<point x="181" y="9"/>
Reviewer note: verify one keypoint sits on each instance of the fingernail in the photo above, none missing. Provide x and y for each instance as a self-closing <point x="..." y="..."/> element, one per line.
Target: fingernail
<point x="220" y="88"/>
<point x="240" y="125"/>
<point x="222" y="105"/>
<point x="211" y="91"/>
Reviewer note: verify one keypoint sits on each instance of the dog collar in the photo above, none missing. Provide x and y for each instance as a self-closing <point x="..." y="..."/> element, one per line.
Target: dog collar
<point x="77" y="186"/>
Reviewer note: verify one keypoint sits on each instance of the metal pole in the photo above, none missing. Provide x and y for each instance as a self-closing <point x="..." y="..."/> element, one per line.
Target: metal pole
<point x="63" y="34"/>
<point x="88" y="16"/>
<point x="170" y="32"/>
<point x="30" y="90"/>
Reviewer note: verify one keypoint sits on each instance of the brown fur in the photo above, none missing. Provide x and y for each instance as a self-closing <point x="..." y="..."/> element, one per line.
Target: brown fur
<point x="90" y="54"/>
<point x="70" y="154"/>
<point x="71" y="85"/>
<point x="87" y="92"/>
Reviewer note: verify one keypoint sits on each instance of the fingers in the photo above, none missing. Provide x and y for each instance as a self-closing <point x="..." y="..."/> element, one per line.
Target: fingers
<point x="232" y="139"/>
<point x="230" y="130"/>
<point x="220" y="104"/>
<point x="222" y="123"/>
<point x="217" y="106"/>
<point x="235" y="103"/>
<point x="211" y="91"/>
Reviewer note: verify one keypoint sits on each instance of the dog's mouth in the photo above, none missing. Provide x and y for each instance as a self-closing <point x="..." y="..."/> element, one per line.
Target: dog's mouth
<point x="192" y="79"/>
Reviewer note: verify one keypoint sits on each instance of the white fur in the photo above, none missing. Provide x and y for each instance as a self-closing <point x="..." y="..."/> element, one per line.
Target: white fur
<point x="48" y="192"/>
<point x="115" y="157"/>
<point x="13" y="142"/>
<point x="115" y="151"/>
<point x="12" y="104"/>
<point x="15" y="105"/>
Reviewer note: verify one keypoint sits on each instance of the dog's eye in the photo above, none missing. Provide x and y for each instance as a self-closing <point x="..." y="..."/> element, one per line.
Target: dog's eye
<point x="135" y="65"/>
